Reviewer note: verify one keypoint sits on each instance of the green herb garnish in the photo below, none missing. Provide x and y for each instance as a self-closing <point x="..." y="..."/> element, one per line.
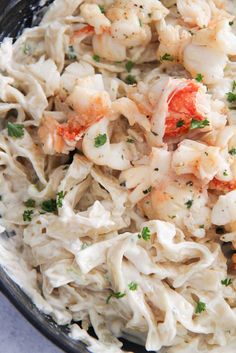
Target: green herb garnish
<point x="130" y="80"/>
<point x="180" y="123"/>
<point x="225" y="173"/>
<point x="199" y="124"/>
<point x="232" y="151"/>
<point x="200" y="307"/>
<point x="100" y="140"/>
<point x="133" y="285"/>
<point x="96" y="57"/>
<point x="60" y="197"/>
<point x="71" y="53"/>
<point x="27" y="215"/>
<point x="129" y="65"/>
<point x="145" y="234"/>
<point x="117" y="295"/>
<point x="30" y="203"/>
<point x="15" y="130"/>
<point x="147" y="190"/>
<point x="130" y="140"/>
<point x="189" y="204"/>
<point x="199" y="78"/>
<point x="102" y="9"/>
<point x="167" y="57"/>
<point x="49" y="205"/>
<point x="231" y="97"/>
<point x="226" y="282"/>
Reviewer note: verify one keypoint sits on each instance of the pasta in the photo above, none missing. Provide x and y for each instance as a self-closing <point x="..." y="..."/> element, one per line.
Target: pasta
<point x="118" y="171"/>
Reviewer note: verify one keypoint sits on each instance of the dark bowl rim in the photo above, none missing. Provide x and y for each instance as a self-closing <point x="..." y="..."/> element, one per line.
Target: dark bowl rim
<point x="30" y="316"/>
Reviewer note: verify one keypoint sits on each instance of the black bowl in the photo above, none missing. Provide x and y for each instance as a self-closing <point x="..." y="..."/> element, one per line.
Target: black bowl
<point x="15" y="15"/>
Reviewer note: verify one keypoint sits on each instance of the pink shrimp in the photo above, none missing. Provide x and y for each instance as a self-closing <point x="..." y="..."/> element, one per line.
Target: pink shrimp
<point x="182" y="108"/>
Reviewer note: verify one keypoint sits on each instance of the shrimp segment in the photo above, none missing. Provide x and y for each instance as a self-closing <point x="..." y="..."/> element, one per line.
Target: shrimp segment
<point x="82" y="33"/>
<point x="223" y="186"/>
<point x="182" y="109"/>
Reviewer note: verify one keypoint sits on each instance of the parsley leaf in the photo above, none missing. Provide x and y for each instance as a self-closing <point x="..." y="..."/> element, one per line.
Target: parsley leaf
<point x="49" y="205"/>
<point x="225" y="173"/>
<point x="231" y="97"/>
<point x="199" y="124"/>
<point x="117" y="295"/>
<point x="130" y="80"/>
<point x="145" y="234"/>
<point x="200" y="307"/>
<point x="199" y="78"/>
<point x="71" y="53"/>
<point x="15" y="130"/>
<point x="130" y="140"/>
<point x="189" y="204"/>
<point x="101" y="7"/>
<point x="100" y="140"/>
<point x="231" y="23"/>
<point x="167" y="57"/>
<point x="129" y="65"/>
<point x="133" y="285"/>
<point x="96" y="57"/>
<point x="60" y="197"/>
<point x="226" y="282"/>
<point x="27" y="215"/>
<point x="29" y="203"/>
<point x="233" y="85"/>
<point x="232" y="151"/>
<point x="27" y="49"/>
<point x="179" y="123"/>
<point x="145" y="192"/>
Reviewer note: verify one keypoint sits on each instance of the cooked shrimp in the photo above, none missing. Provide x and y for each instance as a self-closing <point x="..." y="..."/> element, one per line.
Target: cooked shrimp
<point x="196" y="12"/>
<point x="51" y="140"/>
<point x="181" y="200"/>
<point x="89" y="102"/>
<point x="108" y="48"/>
<point x="82" y="33"/>
<point x="94" y="17"/>
<point x="176" y="103"/>
<point x="222" y="186"/>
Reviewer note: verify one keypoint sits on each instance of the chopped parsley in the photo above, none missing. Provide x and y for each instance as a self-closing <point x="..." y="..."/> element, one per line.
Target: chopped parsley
<point x="49" y="205"/>
<point x="140" y="22"/>
<point x="117" y="295"/>
<point x="189" y="204"/>
<point x="226" y="282"/>
<point x="225" y="173"/>
<point x="130" y="140"/>
<point x="100" y="140"/>
<point x="172" y="217"/>
<point x="130" y="80"/>
<point x="101" y="7"/>
<point x="199" y="124"/>
<point x="129" y="65"/>
<point x="15" y="130"/>
<point x="145" y="192"/>
<point x="233" y="85"/>
<point x="231" y="23"/>
<point x="27" y="215"/>
<point x="199" y="78"/>
<point x="145" y="234"/>
<point x="133" y="286"/>
<point x="60" y="197"/>
<point x="179" y="123"/>
<point x="167" y="57"/>
<point x="96" y="57"/>
<point x="231" y="97"/>
<point x="71" y="53"/>
<point x="232" y="151"/>
<point x="200" y="307"/>
<point x="201" y="226"/>
<point x="27" y="49"/>
<point x="30" y="203"/>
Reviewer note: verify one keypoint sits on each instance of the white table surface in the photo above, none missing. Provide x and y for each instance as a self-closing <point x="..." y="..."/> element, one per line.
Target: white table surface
<point x="17" y="335"/>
